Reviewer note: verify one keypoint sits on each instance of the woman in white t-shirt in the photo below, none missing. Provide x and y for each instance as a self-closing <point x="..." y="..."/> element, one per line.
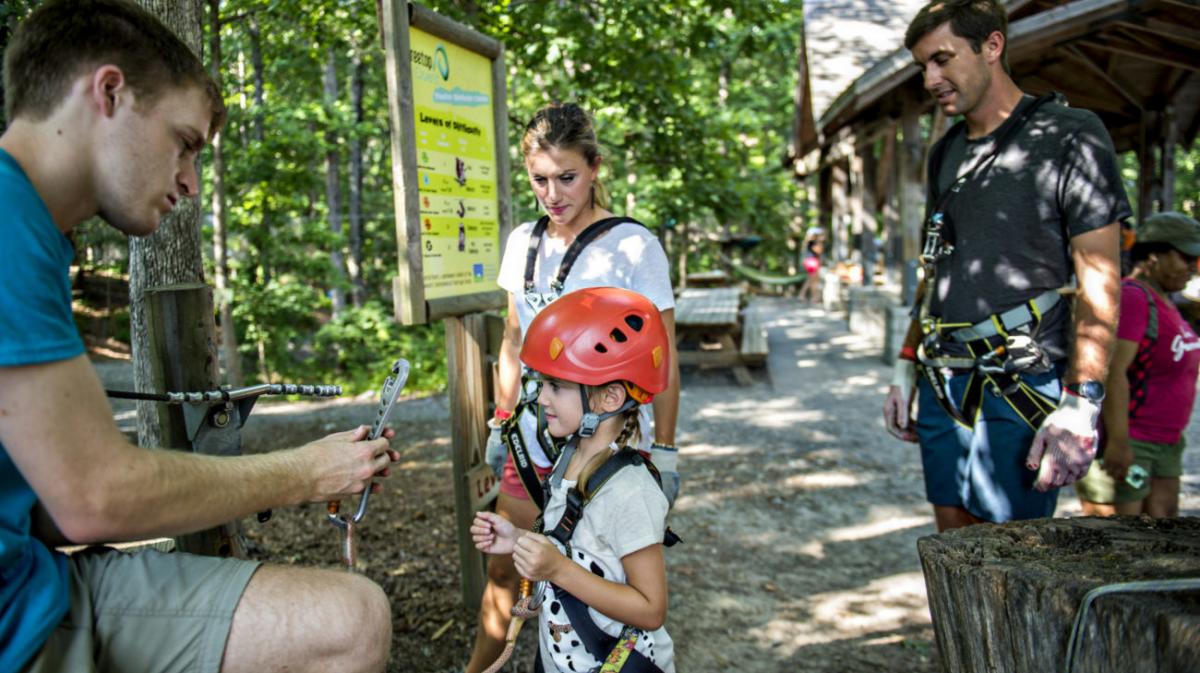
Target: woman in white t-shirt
<point x="562" y="159"/>
<point x="601" y="592"/>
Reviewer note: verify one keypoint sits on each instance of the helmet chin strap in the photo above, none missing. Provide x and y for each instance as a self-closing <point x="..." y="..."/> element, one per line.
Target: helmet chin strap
<point x="591" y="420"/>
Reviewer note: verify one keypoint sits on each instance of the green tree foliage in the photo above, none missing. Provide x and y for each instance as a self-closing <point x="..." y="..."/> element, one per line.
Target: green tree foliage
<point x="692" y="101"/>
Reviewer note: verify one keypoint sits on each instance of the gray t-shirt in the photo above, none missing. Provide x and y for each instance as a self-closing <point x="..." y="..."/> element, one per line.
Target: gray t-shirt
<point x="1055" y="178"/>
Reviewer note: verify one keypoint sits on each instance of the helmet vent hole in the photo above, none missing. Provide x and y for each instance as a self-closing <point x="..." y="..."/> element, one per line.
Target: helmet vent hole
<point x="601" y="349"/>
<point x="618" y="336"/>
<point x="635" y="322"/>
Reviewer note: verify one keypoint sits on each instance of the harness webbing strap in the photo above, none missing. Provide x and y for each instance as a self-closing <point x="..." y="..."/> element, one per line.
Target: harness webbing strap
<point x="1137" y="371"/>
<point x="1002" y="323"/>
<point x="522" y="460"/>
<point x="565" y="528"/>
<point x="581" y="241"/>
<point x="1030" y="405"/>
<point x="603" y="647"/>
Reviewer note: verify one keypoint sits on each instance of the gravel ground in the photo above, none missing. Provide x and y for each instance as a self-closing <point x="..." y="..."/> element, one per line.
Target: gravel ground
<point x="800" y="514"/>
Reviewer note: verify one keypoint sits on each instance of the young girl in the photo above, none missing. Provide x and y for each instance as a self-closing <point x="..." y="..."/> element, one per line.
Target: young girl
<point x="602" y="585"/>
<point x="563" y="159"/>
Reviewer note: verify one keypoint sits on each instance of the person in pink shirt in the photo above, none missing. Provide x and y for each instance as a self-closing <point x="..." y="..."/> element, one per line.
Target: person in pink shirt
<point x="1152" y="379"/>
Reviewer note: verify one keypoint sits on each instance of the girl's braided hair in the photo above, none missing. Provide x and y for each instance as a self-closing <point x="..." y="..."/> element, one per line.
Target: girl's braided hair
<point x="627" y="441"/>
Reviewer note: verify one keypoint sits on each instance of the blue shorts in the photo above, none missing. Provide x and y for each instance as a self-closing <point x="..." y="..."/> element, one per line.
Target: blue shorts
<point x="983" y="469"/>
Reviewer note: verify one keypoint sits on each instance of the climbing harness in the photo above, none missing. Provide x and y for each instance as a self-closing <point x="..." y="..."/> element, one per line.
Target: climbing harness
<point x="996" y="350"/>
<point x="387" y="402"/>
<point x="538" y="300"/>
<point x="996" y="353"/>
<point x="617" y="654"/>
<point x="510" y="429"/>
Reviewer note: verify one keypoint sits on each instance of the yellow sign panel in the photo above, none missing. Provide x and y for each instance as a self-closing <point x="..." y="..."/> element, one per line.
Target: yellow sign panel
<point x="456" y="167"/>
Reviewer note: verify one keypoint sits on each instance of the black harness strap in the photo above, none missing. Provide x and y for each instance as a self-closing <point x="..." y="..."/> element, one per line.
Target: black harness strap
<point x="1141" y="362"/>
<point x="522" y="461"/>
<point x="581" y="241"/>
<point x="1028" y="403"/>
<point x="564" y="530"/>
<point x="598" y="643"/>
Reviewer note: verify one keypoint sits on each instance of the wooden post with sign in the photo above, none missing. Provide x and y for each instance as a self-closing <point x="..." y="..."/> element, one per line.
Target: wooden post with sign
<point x="450" y="178"/>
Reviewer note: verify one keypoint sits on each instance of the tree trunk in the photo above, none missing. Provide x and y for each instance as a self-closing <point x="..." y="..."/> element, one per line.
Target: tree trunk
<point x="256" y="63"/>
<point x="1004" y="597"/>
<point x="172" y="255"/>
<point x="224" y="295"/>
<point x="354" y="263"/>
<point x="333" y="186"/>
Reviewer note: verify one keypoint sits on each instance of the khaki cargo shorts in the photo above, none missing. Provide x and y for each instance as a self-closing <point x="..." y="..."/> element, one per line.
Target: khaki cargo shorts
<point x="148" y="611"/>
<point x="1159" y="460"/>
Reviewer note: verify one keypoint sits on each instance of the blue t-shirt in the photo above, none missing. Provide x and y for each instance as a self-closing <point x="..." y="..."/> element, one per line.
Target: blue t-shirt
<point x="36" y="326"/>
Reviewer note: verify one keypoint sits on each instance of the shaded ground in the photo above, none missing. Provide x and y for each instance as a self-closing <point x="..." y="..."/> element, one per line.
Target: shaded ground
<point x="800" y="516"/>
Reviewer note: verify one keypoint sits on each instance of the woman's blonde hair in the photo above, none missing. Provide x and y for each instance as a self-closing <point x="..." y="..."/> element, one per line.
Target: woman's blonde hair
<point x="566" y="126"/>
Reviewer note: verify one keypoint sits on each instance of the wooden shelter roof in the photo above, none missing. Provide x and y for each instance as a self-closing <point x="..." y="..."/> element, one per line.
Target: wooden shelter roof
<point x="1118" y="58"/>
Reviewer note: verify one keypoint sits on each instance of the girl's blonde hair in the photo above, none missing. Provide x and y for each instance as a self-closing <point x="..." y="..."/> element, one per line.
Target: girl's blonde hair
<point x="628" y="440"/>
<point x="566" y="126"/>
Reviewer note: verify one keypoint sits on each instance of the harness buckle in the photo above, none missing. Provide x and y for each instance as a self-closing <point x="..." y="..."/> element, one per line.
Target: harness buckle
<point x="936" y="246"/>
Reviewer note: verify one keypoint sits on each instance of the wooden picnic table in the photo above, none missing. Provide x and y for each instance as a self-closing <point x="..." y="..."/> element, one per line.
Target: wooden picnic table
<point x="709" y="326"/>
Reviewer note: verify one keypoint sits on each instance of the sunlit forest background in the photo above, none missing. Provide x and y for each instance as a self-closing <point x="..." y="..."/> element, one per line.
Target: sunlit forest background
<point x="693" y="105"/>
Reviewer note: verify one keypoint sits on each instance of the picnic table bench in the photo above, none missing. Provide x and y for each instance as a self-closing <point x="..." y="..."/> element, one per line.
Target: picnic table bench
<point x="712" y="331"/>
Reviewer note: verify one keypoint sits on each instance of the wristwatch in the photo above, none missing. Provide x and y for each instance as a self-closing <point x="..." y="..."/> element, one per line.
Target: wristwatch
<point x="1092" y="391"/>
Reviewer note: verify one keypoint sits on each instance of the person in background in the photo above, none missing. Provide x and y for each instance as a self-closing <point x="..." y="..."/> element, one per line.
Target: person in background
<point x="1152" y="379"/>
<point x="814" y="248"/>
<point x="1024" y="193"/>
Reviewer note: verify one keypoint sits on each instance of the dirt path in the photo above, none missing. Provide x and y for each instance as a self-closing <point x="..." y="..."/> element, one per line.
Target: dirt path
<point x="800" y="516"/>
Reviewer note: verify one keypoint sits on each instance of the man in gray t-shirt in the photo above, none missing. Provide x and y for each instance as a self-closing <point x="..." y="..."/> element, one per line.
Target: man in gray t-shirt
<point x="1038" y="201"/>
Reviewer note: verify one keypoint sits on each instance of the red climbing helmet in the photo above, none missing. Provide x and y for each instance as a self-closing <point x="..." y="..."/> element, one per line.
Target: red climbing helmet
<point x="598" y="335"/>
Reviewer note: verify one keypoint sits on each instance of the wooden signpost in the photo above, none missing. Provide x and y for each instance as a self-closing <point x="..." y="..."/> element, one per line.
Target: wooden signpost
<point x="450" y="177"/>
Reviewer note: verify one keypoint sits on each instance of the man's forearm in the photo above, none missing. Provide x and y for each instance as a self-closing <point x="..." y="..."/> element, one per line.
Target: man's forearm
<point x="165" y="492"/>
<point x="1096" y="304"/>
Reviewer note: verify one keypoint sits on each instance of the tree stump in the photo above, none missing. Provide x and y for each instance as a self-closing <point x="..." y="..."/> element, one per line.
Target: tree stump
<point x="1004" y="597"/>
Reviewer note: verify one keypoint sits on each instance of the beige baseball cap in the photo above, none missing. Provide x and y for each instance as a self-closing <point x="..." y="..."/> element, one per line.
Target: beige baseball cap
<point x="1173" y="227"/>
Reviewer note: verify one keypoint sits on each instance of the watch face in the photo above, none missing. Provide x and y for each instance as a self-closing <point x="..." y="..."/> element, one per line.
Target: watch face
<point x="1092" y="390"/>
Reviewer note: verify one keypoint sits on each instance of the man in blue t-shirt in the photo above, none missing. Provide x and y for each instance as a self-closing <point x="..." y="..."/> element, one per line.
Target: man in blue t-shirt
<point x="108" y="111"/>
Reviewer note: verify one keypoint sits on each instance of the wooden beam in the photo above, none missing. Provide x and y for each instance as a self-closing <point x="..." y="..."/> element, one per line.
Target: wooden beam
<point x="1168" y="138"/>
<point x="1038" y="32"/>
<point x="911" y="169"/>
<point x="1121" y="90"/>
<point x="884" y="167"/>
<point x="1175" y="58"/>
<point x="466" y="338"/>
<point x="1180" y="34"/>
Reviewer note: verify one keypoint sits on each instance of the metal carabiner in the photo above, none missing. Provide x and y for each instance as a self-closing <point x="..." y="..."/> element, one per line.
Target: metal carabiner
<point x="387" y="402"/>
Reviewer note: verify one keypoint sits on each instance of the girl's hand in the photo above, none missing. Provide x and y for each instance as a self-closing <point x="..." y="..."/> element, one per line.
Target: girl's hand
<point x="536" y="557"/>
<point x="493" y="534"/>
